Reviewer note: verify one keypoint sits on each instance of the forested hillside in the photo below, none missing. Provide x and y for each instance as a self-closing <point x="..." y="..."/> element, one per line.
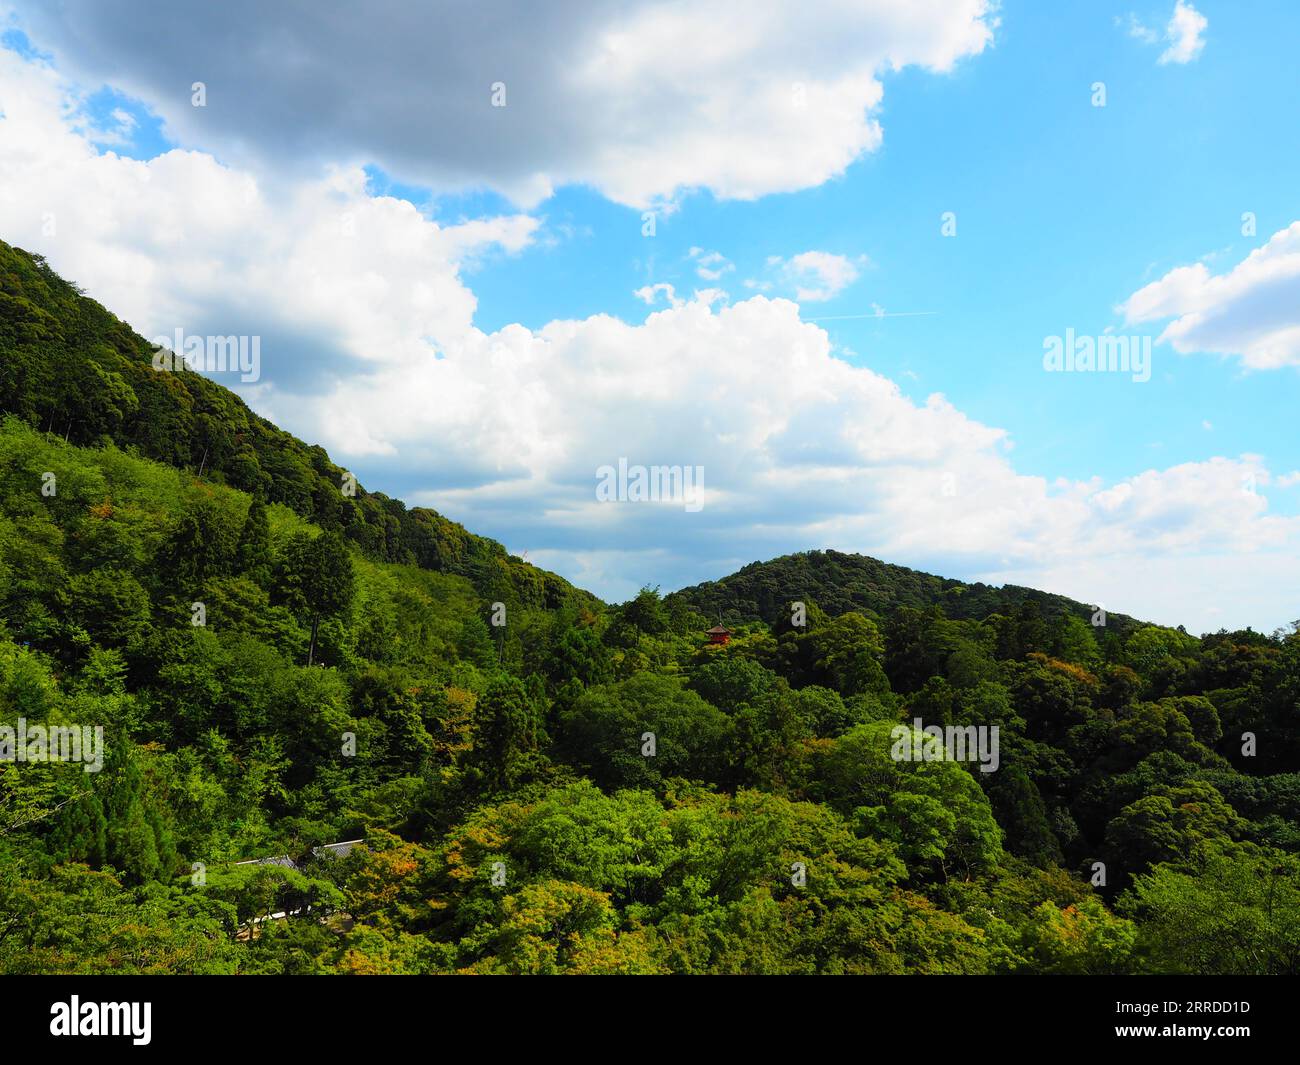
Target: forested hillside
<point x="546" y="784"/>
<point x="839" y="582"/>
<point x="74" y="370"/>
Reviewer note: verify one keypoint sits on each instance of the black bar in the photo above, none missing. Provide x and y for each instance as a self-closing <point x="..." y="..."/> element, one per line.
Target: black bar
<point x="303" y="1014"/>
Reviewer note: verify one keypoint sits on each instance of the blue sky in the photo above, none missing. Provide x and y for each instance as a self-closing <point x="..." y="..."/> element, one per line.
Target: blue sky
<point x="430" y="352"/>
<point x="1063" y="210"/>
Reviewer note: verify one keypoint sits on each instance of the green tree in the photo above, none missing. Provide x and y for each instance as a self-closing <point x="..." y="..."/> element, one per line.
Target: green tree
<point x="1170" y="824"/>
<point x="1072" y="640"/>
<point x="474" y="643"/>
<point x="932" y="809"/>
<point x="646" y="613"/>
<point x="507" y="731"/>
<point x="579" y="655"/>
<point x="109" y="604"/>
<point x="253" y="553"/>
<point x="847" y="655"/>
<point x="1021" y="812"/>
<point x="605" y="732"/>
<point x="316" y="580"/>
<point x="1081" y="939"/>
<point x="1230" y="913"/>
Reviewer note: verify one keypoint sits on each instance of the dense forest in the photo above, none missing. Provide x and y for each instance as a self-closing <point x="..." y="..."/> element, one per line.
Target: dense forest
<point x="538" y="782"/>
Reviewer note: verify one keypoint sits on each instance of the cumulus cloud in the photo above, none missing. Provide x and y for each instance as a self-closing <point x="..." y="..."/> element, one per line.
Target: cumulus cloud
<point x="640" y="100"/>
<point x="371" y="349"/>
<point x="328" y="276"/>
<point x="1184" y="34"/>
<point x="799" y="450"/>
<point x="1252" y="311"/>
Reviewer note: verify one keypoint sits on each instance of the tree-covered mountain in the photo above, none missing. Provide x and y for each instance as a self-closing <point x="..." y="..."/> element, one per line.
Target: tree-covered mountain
<point x="76" y="371"/>
<point x="840" y="582"/>
<point x="214" y="661"/>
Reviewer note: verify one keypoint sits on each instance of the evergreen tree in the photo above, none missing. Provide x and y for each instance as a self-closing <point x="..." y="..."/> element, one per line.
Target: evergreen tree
<point x="81" y="834"/>
<point x="315" y="579"/>
<point x="1020" y="810"/>
<point x="253" y="555"/>
<point x="507" y="730"/>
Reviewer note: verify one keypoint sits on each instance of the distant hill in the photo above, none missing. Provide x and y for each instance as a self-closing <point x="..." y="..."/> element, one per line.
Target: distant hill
<point x="74" y="370"/>
<point x="840" y="583"/>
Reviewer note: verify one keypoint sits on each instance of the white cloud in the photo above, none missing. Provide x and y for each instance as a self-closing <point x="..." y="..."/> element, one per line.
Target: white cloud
<point x="650" y="294"/>
<point x="372" y="350"/>
<point x="1134" y="27"/>
<point x="327" y="275"/>
<point x="709" y="265"/>
<point x="800" y="450"/>
<point x="1252" y="311"/>
<point x="641" y="100"/>
<point x="1184" y="34"/>
<point x="815" y="276"/>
